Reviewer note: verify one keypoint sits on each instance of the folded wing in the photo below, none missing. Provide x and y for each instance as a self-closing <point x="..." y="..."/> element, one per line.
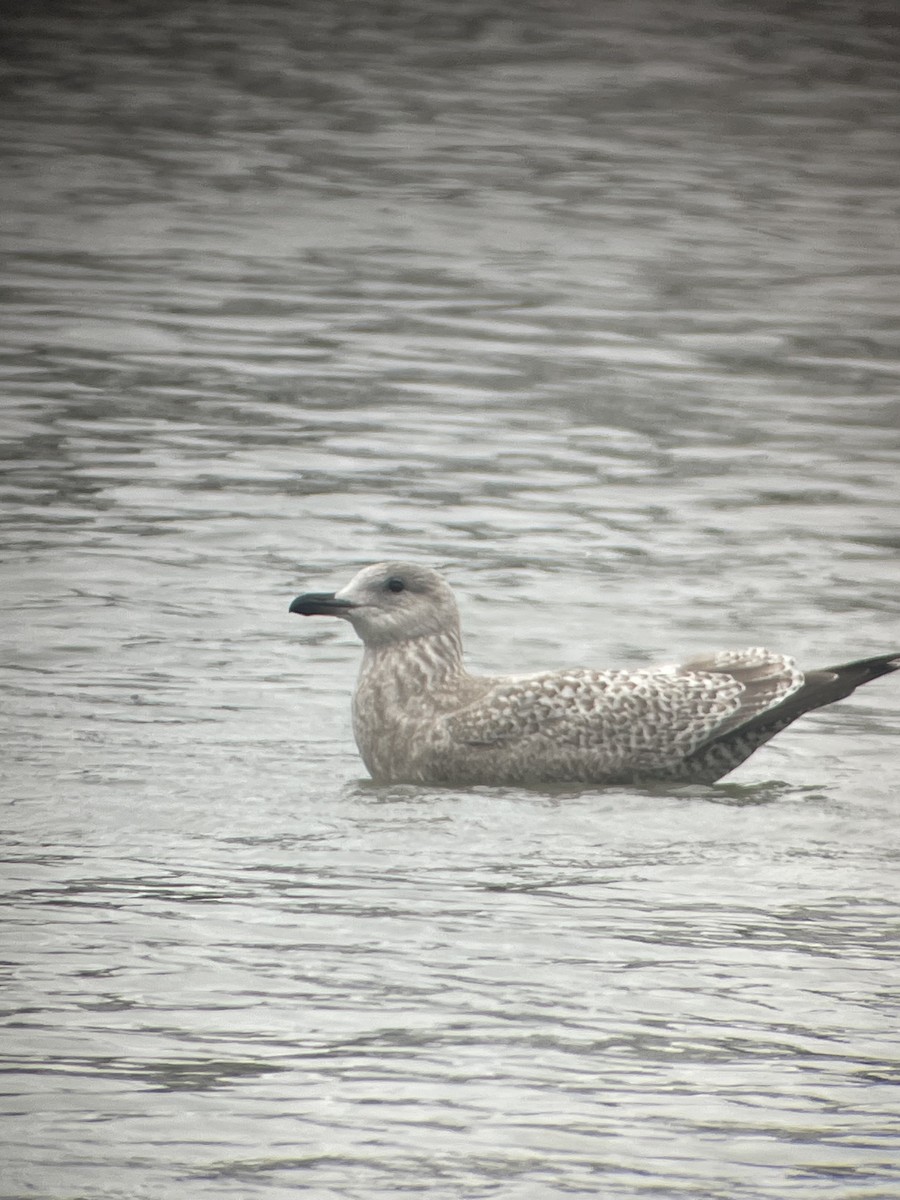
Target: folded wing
<point x="627" y="721"/>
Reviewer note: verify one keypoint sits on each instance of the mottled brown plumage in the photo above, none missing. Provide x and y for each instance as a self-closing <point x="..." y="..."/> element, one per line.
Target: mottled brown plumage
<point x="420" y="717"/>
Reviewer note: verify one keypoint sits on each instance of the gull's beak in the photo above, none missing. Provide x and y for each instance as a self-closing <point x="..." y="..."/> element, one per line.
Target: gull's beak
<point x="320" y="604"/>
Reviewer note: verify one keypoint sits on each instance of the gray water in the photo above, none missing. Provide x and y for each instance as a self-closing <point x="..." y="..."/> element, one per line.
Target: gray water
<point x="595" y="307"/>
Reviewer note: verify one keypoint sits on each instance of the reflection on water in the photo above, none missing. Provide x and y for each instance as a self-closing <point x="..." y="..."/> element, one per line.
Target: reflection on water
<point x="595" y="308"/>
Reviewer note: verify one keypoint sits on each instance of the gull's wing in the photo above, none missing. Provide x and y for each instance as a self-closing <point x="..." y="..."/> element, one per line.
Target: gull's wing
<point x="767" y="679"/>
<point x="633" y="720"/>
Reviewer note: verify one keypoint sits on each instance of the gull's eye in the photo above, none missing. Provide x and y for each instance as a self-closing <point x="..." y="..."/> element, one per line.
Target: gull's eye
<point x="395" y="585"/>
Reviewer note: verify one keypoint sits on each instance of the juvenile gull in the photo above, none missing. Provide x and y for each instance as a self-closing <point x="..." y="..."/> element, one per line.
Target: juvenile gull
<point x="420" y="717"/>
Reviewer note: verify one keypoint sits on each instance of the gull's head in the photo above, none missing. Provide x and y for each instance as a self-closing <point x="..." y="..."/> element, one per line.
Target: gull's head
<point x="387" y="603"/>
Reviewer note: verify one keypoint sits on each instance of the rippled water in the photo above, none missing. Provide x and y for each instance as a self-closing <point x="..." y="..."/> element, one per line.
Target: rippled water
<point x="593" y="306"/>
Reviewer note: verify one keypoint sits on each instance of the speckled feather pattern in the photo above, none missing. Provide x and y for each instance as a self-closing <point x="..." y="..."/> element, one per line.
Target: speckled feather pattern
<point x="420" y="717"/>
<point x="553" y="727"/>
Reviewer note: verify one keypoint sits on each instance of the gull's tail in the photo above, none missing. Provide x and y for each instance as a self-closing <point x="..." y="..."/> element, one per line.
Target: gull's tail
<point x="723" y="753"/>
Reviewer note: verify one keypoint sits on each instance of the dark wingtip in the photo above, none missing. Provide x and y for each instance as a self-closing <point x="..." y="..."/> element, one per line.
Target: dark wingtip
<point x="865" y="669"/>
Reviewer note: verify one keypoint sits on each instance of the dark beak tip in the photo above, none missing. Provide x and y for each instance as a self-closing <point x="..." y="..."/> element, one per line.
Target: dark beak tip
<point x="315" y="604"/>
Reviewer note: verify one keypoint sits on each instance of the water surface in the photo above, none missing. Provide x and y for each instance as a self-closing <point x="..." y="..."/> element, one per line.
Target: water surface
<point x="592" y="306"/>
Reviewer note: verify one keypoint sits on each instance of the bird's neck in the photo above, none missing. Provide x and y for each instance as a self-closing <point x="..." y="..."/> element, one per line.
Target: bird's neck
<point x="426" y="664"/>
<point x="402" y="687"/>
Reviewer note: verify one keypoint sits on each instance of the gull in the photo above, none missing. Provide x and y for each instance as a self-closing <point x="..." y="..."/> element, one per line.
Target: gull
<point x="420" y="717"/>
